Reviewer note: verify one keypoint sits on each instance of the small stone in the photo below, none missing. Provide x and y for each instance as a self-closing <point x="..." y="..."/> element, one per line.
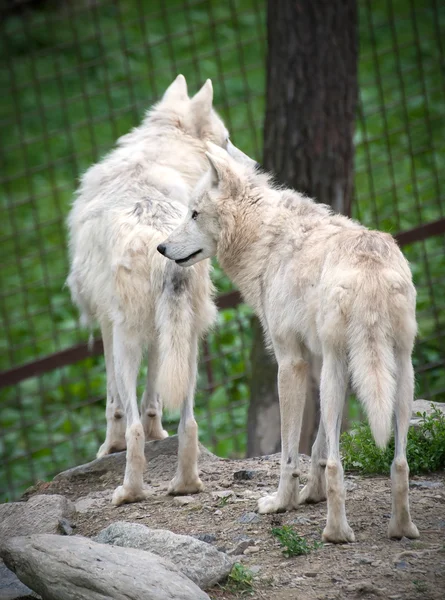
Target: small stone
<point x="65" y="527"/>
<point x="350" y="486"/>
<point x="401" y="564"/>
<point x="226" y="483"/>
<point x="251" y="550"/>
<point x="208" y="538"/>
<point x="249" y="517"/>
<point x="425" y="485"/>
<point x="218" y="512"/>
<point x="310" y="574"/>
<point x="250" y="494"/>
<point x="244" y="475"/>
<point x="301" y="521"/>
<point x="362" y="559"/>
<point x="241" y="546"/>
<point x="255" y="569"/>
<point x="219" y="495"/>
<point x="183" y="500"/>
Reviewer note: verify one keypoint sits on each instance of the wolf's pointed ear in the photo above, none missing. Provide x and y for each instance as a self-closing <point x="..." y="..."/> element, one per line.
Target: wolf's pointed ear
<point x="218" y="167"/>
<point x="201" y="103"/>
<point x="177" y="90"/>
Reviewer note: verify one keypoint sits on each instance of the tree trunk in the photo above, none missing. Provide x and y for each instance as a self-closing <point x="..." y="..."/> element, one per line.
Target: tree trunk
<point x="308" y="143"/>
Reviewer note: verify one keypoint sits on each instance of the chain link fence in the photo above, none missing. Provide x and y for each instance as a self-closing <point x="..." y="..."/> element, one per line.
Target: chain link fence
<point x="78" y="75"/>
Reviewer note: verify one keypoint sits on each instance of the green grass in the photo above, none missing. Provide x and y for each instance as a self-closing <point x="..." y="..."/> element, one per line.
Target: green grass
<point x="74" y="83"/>
<point x="425" y="449"/>
<point x="292" y="543"/>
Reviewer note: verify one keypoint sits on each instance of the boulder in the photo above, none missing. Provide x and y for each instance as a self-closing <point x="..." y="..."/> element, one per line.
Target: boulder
<point x="74" y="567"/>
<point x="163" y="452"/>
<point x="11" y="588"/>
<point x="199" y="561"/>
<point x="40" y="514"/>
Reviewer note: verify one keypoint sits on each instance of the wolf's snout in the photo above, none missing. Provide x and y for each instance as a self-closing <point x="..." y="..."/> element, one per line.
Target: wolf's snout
<point x="162" y="248"/>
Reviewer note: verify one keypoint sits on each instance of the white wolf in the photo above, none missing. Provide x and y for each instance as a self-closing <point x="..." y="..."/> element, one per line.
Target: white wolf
<point x="321" y="281"/>
<point x="126" y="204"/>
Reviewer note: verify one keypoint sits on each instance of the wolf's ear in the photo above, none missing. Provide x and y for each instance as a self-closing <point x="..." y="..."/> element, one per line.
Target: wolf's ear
<point x="221" y="169"/>
<point x="177" y="90"/>
<point x="201" y="104"/>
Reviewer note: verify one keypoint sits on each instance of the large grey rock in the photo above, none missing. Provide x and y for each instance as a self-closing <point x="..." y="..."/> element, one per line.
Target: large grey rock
<point x="201" y="562"/>
<point x="11" y="588"/>
<point x="76" y="568"/>
<point x="114" y="464"/>
<point x="424" y="406"/>
<point x="41" y="514"/>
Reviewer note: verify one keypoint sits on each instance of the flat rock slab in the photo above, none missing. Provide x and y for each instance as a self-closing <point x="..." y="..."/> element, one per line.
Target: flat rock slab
<point x="40" y="514"/>
<point x="115" y="463"/>
<point x="11" y="588"/>
<point x="201" y="562"/>
<point x="76" y="568"/>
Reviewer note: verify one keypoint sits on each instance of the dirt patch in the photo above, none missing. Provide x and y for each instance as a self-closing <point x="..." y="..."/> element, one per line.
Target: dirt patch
<point x="374" y="566"/>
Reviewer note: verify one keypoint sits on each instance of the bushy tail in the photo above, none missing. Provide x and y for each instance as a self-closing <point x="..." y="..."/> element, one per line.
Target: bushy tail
<point x="371" y="358"/>
<point x="174" y="323"/>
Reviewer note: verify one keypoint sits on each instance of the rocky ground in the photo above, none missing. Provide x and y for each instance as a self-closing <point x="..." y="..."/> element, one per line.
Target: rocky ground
<point x="224" y="516"/>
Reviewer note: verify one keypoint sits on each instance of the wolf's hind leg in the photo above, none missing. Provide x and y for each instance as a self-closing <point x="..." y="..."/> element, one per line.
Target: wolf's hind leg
<point x="151" y="404"/>
<point x="315" y="488"/>
<point x="115" y="413"/>
<point x="334" y="381"/>
<point x="292" y="386"/>
<point x="400" y="524"/>
<point x="127" y="359"/>
<point x="186" y="480"/>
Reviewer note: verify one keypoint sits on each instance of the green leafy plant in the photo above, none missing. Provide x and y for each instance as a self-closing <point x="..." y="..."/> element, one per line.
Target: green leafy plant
<point x="292" y="543"/>
<point x="425" y="448"/>
<point x="240" y="580"/>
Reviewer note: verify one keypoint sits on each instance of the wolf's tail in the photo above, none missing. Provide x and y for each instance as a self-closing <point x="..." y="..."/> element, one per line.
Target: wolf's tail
<point x="174" y="323"/>
<point x="372" y="359"/>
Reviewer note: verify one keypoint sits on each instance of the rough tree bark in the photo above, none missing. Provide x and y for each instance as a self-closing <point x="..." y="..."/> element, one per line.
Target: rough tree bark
<point x="308" y="144"/>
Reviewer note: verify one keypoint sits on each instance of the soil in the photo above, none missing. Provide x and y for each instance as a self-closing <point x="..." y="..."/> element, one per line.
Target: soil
<point x="374" y="566"/>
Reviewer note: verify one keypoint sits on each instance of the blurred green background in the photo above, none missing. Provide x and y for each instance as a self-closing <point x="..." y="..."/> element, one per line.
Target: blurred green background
<point x="75" y="76"/>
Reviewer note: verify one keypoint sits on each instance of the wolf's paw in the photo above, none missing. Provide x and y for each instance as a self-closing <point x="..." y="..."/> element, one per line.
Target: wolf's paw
<point x="399" y="530"/>
<point x="126" y="495"/>
<point x="180" y="486"/>
<point x="312" y="493"/>
<point x="151" y="436"/>
<point x="338" y="533"/>
<point x="274" y="504"/>
<point x="111" y="448"/>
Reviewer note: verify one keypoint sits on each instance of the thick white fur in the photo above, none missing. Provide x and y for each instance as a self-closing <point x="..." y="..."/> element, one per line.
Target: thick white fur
<point x="321" y="281"/>
<point x="125" y="206"/>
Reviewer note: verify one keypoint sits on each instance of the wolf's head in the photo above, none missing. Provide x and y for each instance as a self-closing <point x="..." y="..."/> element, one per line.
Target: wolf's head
<point x="193" y="116"/>
<point x="218" y="197"/>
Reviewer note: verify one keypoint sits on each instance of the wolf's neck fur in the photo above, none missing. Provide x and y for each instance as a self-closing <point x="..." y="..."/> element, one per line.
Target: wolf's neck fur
<point x="241" y="249"/>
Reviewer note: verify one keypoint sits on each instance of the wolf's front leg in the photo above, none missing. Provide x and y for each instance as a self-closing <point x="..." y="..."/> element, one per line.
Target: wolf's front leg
<point x="127" y="359"/>
<point x="292" y="385"/>
<point x="186" y="480"/>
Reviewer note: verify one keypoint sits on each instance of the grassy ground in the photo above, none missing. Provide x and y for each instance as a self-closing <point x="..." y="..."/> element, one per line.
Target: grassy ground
<point x="80" y="74"/>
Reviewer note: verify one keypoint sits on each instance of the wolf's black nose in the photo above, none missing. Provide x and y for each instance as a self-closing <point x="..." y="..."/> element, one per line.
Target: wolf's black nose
<point x="162" y="248"/>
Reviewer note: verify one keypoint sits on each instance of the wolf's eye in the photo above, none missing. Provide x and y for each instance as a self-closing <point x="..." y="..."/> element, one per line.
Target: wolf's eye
<point x="194" y="215"/>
